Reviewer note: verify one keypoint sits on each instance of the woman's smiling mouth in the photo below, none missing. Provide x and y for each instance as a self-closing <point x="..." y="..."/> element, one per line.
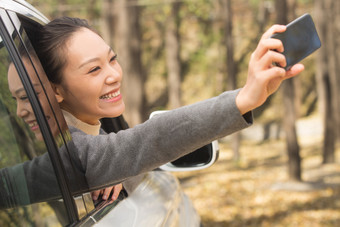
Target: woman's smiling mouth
<point x="112" y="96"/>
<point x="33" y="125"/>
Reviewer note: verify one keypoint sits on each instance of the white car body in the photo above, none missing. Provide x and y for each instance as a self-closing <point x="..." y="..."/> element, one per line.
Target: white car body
<point x="157" y="201"/>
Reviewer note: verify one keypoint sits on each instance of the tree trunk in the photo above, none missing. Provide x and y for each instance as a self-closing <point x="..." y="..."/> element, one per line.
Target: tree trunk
<point x="328" y="154"/>
<point x="229" y="42"/>
<point x="173" y="61"/>
<point x="231" y="79"/>
<point x="218" y="29"/>
<point x="107" y="18"/>
<point x="263" y="15"/>
<point x="90" y="8"/>
<point x="128" y="47"/>
<point x="324" y="81"/>
<point x="293" y="149"/>
<point x="331" y="11"/>
<point x="294" y="159"/>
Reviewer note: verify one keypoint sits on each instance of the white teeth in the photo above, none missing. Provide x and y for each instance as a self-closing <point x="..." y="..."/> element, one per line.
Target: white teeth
<point x="32" y="124"/>
<point x="111" y="95"/>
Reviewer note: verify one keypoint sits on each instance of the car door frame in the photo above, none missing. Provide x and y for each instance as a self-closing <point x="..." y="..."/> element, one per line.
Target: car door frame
<point x="6" y="25"/>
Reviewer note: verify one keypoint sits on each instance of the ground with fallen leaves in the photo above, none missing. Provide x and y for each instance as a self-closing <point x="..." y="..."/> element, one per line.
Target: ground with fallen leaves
<point x="255" y="191"/>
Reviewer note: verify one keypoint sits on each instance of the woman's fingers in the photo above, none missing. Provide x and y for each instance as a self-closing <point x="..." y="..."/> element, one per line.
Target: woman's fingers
<point x="116" y="190"/>
<point x="276" y="28"/>
<point x="271" y="59"/>
<point x="106" y="193"/>
<point x="266" y="43"/>
<point x="95" y="194"/>
<point x="294" y="70"/>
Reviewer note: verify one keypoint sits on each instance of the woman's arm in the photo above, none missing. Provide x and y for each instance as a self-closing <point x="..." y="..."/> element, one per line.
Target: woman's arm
<point x="159" y="140"/>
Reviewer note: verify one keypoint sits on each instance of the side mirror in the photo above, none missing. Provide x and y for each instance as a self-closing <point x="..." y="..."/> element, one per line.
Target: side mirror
<point x="199" y="159"/>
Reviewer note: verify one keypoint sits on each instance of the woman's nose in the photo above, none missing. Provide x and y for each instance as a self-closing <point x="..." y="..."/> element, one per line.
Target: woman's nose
<point x="110" y="80"/>
<point x="22" y="112"/>
<point x="113" y="75"/>
<point x="24" y="108"/>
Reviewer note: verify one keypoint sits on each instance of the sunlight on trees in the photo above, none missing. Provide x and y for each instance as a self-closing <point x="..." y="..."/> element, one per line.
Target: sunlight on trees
<point x="180" y="53"/>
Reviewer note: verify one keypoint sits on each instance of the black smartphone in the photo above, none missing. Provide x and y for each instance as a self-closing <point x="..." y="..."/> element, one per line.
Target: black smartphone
<point x="299" y="40"/>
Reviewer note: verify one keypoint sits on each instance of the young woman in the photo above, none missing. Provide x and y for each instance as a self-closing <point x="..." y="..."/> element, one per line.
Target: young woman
<point x="25" y="111"/>
<point x="86" y="78"/>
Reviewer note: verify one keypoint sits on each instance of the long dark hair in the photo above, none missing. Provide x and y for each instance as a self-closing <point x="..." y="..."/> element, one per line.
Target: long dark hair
<point x="51" y="45"/>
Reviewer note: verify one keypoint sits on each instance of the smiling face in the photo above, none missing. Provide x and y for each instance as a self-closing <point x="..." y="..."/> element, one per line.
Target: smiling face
<point x="91" y="79"/>
<point x="24" y="108"/>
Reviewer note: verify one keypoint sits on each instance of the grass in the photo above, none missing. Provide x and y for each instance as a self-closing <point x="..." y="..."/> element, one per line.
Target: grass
<point x="255" y="191"/>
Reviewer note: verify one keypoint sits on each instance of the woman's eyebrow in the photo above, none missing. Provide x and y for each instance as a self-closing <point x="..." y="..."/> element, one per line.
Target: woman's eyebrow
<point x="94" y="59"/>
<point x="88" y="61"/>
<point x="23" y="89"/>
<point x="19" y="90"/>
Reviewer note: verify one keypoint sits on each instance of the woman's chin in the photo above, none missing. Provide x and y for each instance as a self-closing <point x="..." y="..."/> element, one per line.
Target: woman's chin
<point x="117" y="111"/>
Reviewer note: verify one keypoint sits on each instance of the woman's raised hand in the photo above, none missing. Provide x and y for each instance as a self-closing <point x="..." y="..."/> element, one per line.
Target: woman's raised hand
<point x="265" y="77"/>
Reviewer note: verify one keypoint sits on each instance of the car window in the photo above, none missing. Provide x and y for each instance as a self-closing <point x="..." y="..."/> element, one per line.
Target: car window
<point x="26" y="172"/>
<point x="73" y="173"/>
<point x="30" y="156"/>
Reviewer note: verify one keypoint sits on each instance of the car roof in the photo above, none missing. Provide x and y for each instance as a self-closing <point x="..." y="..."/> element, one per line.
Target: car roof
<point x="24" y="8"/>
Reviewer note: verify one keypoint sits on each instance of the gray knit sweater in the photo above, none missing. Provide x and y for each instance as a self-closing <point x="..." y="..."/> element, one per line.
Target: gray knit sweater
<point x="114" y="157"/>
<point x="93" y="162"/>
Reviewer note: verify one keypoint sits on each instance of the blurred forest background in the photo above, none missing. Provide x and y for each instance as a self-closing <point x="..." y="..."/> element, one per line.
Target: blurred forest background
<point x="177" y="52"/>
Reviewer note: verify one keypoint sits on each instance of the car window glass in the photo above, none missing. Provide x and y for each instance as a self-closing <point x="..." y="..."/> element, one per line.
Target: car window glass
<point x="74" y="172"/>
<point x="27" y="177"/>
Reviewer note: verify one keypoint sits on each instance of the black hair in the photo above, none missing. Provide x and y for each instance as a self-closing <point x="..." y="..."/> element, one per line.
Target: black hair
<point x="51" y="45"/>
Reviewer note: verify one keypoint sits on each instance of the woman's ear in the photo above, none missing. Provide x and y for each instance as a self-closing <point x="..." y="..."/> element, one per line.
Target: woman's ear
<point x="57" y="93"/>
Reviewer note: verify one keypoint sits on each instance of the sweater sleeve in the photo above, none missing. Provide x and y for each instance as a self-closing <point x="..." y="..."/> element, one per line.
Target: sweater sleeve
<point x="112" y="158"/>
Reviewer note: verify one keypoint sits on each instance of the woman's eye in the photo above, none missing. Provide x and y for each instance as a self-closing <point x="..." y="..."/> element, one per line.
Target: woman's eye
<point x="23" y="98"/>
<point x="94" y="69"/>
<point x="113" y="58"/>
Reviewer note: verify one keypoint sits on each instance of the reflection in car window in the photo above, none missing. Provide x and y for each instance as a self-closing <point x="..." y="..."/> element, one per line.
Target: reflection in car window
<point x="26" y="172"/>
